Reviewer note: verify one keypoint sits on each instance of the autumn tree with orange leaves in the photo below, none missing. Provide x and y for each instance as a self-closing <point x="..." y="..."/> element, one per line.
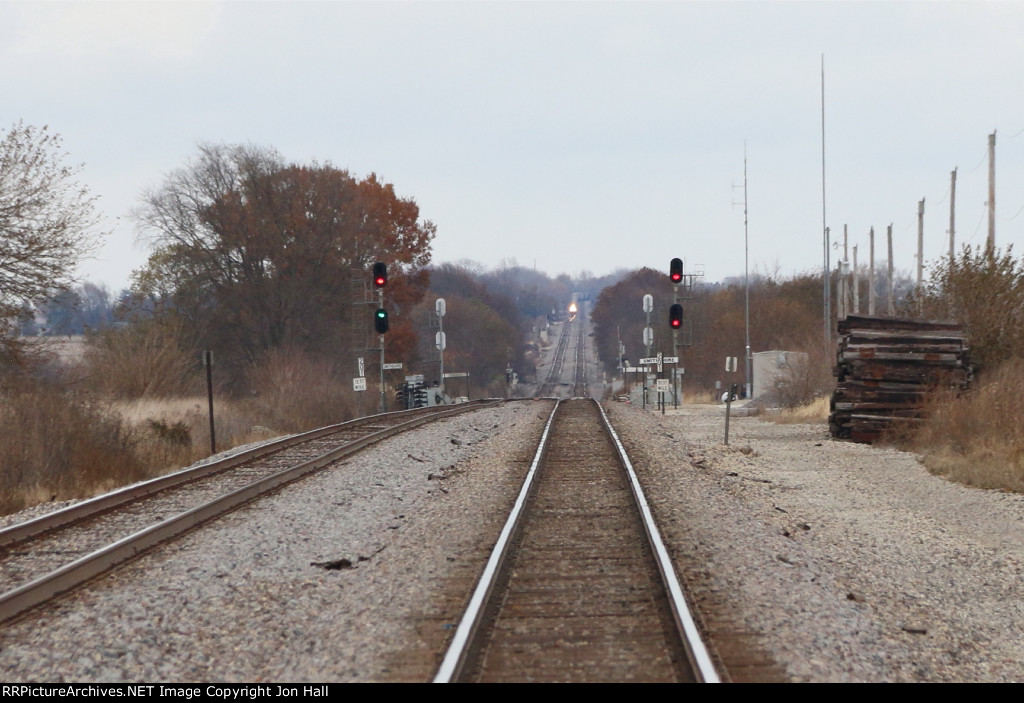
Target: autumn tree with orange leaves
<point x="254" y="254"/>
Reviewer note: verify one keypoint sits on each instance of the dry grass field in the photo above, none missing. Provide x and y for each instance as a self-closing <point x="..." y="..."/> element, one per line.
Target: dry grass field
<point x="977" y="438"/>
<point x="71" y="429"/>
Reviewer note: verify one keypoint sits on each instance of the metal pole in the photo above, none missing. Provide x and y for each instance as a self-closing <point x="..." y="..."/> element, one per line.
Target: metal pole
<point x="440" y="328"/>
<point x="825" y="263"/>
<point x="383" y="406"/>
<point x="728" y="409"/>
<point x="746" y="274"/>
<point x="208" y="361"/>
<point x="990" y="243"/>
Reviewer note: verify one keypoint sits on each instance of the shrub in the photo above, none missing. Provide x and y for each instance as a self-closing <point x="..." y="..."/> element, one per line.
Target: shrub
<point x="56" y="445"/>
<point x="141" y="360"/>
<point x="293" y="391"/>
<point x="976" y="438"/>
<point x="984" y="293"/>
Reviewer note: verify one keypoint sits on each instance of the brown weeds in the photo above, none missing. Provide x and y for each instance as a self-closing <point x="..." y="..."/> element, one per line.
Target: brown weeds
<point x="976" y="438"/>
<point x="55" y="445"/>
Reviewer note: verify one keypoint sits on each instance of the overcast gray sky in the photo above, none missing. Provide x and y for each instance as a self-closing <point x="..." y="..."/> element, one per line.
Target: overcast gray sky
<point x="573" y="135"/>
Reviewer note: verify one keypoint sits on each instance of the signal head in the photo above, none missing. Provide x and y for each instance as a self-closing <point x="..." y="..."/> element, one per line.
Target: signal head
<point x="675" y="316"/>
<point x="380" y="320"/>
<point x="675" y="270"/>
<point x="380" y="274"/>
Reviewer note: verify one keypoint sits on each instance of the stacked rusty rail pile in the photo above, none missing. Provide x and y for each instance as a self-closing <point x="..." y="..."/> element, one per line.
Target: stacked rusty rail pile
<point x="886" y="366"/>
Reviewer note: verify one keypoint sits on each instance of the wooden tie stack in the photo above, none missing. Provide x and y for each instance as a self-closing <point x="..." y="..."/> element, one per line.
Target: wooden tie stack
<point x="886" y="366"/>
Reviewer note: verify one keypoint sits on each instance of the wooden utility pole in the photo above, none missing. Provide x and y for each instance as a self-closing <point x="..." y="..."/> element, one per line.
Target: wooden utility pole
<point x="990" y="244"/>
<point x="871" y="272"/>
<point x="856" y="283"/>
<point x="952" y="216"/>
<point x="920" y="243"/>
<point x="847" y="288"/>
<point x="892" y="303"/>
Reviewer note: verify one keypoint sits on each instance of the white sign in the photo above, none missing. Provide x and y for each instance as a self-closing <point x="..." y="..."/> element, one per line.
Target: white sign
<point x="730" y="363"/>
<point x="359" y="384"/>
<point x="671" y="359"/>
<point x="393" y="367"/>
<point x="649" y="360"/>
<point x="663" y="385"/>
<point x="362" y="370"/>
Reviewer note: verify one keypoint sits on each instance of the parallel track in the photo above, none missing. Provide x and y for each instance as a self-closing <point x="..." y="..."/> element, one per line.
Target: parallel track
<point x="45" y="557"/>
<point x="579" y="586"/>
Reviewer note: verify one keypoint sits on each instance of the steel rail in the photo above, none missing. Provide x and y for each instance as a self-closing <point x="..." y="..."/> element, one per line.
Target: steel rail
<point x="557" y="362"/>
<point x="67" y="577"/>
<point x="94" y="506"/>
<point x="455" y="657"/>
<point x="458" y="650"/>
<point x="580" y="384"/>
<point x="694" y="644"/>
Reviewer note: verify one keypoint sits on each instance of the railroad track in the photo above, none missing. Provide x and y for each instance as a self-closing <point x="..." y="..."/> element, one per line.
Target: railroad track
<point x="573" y="336"/>
<point x="43" y="558"/>
<point x="554" y="378"/>
<point x="579" y="586"/>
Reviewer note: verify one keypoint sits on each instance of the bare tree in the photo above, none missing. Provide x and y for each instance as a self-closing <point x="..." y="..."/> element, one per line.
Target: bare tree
<point x="46" y="223"/>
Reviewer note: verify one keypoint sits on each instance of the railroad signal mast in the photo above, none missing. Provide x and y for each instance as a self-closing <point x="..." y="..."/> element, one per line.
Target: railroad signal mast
<point x="683" y="284"/>
<point x="380" y="319"/>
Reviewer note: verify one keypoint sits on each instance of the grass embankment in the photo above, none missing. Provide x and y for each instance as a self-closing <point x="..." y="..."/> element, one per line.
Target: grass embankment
<point x="60" y="441"/>
<point x="976" y="438"/>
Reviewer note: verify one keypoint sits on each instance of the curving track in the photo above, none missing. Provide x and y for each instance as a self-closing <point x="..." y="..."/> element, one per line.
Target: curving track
<point x="579" y="586"/>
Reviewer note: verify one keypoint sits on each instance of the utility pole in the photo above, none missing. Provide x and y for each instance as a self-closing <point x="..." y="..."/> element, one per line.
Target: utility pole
<point x="952" y="216"/>
<point x="892" y="303"/>
<point x="825" y="263"/>
<point x="847" y="280"/>
<point x="871" y="272"/>
<point x="990" y="244"/>
<point x="746" y="276"/>
<point x="920" y="243"/>
<point x="856" y="283"/>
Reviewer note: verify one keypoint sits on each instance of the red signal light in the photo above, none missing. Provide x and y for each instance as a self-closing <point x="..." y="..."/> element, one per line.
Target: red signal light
<point x="676" y="270"/>
<point x="380" y="274"/>
<point x="675" y="316"/>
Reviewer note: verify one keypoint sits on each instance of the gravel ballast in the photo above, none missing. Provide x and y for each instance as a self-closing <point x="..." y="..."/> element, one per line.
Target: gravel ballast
<point x="844" y="562"/>
<point x="341" y="577"/>
<point x="836" y="561"/>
